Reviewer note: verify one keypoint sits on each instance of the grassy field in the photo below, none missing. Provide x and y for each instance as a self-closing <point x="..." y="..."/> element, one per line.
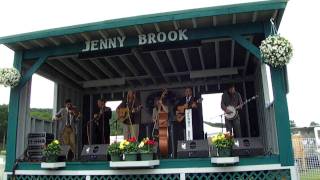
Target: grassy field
<point x="313" y="174"/>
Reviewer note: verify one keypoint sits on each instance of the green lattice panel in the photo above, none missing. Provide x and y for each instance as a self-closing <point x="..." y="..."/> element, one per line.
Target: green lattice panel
<point x="139" y="177"/>
<point x="47" y="177"/>
<point x="249" y="175"/>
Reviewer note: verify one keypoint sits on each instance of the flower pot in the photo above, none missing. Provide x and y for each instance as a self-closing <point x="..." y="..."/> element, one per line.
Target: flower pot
<point x="52" y="158"/>
<point x="115" y="157"/>
<point x="146" y="156"/>
<point x="224" y="152"/>
<point x="130" y="156"/>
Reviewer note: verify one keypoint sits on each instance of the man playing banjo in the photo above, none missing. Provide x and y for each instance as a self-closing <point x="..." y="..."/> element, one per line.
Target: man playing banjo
<point x="230" y="102"/>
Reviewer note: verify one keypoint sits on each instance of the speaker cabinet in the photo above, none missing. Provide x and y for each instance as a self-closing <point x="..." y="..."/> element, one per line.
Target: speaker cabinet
<point x="192" y="148"/>
<point x="94" y="152"/>
<point x="251" y="146"/>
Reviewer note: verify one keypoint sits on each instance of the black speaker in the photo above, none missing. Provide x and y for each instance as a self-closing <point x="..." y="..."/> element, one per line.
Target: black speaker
<point x="94" y="152"/>
<point x="251" y="146"/>
<point x="193" y="148"/>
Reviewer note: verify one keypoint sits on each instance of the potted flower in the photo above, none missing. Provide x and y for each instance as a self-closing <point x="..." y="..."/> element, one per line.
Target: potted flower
<point x="129" y="147"/>
<point x="52" y="151"/>
<point x="114" y="151"/>
<point x="146" y="149"/>
<point x="223" y="143"/>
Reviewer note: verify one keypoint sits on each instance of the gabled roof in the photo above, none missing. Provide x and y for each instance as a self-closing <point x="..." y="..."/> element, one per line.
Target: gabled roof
<point x="215" y="16"/>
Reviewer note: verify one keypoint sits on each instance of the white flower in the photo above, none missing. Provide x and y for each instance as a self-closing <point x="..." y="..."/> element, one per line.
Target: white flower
<point x="276" y="51"/>
<point x="9" y="77"/>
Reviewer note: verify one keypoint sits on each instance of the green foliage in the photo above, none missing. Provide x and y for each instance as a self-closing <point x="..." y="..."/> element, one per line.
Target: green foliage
<point x="53" y="149"/>
<point x="292" y="123"/>
<point x="114" y="149"/>
<point x="313" y="124"/>
<point x="223" y="140"/>
<point x="3" y="122"/>
<point x="44" y="114"/>
<point x="147" y="145"/>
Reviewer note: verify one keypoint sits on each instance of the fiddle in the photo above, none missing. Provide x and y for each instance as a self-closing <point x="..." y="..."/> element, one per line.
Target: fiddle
<point x="74" y="112"/>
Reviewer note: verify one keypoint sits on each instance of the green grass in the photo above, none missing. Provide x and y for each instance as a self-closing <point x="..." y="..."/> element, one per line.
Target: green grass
<point x="311" y="174"/>
<point x="3" y="152"/>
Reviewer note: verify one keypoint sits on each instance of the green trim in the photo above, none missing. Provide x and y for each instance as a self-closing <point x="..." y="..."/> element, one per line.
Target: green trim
<point x="281" y="111"/>
<point x="154" y="18"/>
<point x="193" y="35"/>
<point x="13" y="117"/>
<point x="282" y="117"/>
<point x="247" y="45"/>
<point x="167" y="163"/>
<point x="31" y="71"/>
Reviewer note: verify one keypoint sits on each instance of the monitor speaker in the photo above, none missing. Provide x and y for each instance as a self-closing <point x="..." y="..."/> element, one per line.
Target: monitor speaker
<point x="251" y="146"/>
<point x="94" y="152"/>
<point x="192" y="148"/>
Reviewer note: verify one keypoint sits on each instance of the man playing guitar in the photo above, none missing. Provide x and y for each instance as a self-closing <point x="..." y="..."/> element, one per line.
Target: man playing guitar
<point x="231" y="98"/>
<point x="129" y="114"/>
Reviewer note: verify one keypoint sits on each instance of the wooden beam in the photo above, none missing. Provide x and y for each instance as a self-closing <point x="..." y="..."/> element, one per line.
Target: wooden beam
<point x="24" y="45"/>
<point x="75" y="68"/>
<point x="157" y="61"/>
<point x="87" y="68"/>
<point x="63" y="70"/>
<point x="85" y="36"/>
<point x="172" y="63"/>
<point x="247" y="45"/>
<point x="193" y="34"/>
<point x="13" y="117"/>
<point x="201" y="57"/>
<point x="157" y="27"/>
<point x="175" y="85"/>
<point x="217" y="53"/>
<point x="139" y="29"/>
<point x="140" y="59"/>
<point x="54" y="41"/>
<point x="102" y="34"/>
<point x="194" y="23"/>
<point x="213" y="72"/>
<point x="31" y="71"/>
<point x="103" y="82"/>
<point x="187" y="58"/>
<point x="120" y="32"/>
<point x="70" y="38"/>
<point x="246" y="61"/>
<point x="130" y="66"/>
<point x="102" y="67"/>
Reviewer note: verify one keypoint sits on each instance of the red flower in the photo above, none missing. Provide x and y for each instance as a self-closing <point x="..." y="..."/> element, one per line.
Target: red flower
<point x="133" y="139"/>
<point x="150" y="142"/>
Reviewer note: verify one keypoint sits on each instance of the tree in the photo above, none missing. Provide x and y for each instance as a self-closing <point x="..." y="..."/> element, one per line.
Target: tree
<point x="292" y="124"/>
<point x="313" y="124"/>
<point x="3" y="122"/>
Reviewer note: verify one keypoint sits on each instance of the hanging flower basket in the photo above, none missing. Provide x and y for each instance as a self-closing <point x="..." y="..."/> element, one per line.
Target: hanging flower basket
<point x="276" y="51"/>
<point x="9" y="77"/>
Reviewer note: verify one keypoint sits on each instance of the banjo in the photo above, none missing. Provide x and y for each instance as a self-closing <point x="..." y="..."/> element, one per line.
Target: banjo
<point x="234" y="110"/>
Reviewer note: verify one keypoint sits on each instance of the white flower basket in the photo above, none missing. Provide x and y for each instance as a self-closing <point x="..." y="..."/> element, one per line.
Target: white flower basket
<point x="276" y="51"/>
<point x="9" y="77"/>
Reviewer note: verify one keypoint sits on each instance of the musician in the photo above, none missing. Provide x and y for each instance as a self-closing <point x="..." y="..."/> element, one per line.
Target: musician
<point x="68" y="118"/>
<point x="101" y="126"/>
<point x="231" y="98"/>
<point x="159" y="107"/>
<point x="131" y="124"/>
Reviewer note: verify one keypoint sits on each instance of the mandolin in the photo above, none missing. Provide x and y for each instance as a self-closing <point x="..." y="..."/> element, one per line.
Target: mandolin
<point x="181" y="109"/>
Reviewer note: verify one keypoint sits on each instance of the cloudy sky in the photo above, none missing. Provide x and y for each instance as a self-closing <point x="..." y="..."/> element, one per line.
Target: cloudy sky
<point x="299" y="24"/>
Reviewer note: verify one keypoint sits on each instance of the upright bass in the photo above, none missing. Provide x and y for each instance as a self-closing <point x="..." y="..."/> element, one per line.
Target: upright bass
<point x="163" y="128"/>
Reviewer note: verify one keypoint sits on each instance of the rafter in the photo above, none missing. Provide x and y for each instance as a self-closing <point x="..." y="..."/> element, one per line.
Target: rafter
<point x="217" y="53"/>
<point x="247" y="58"/>
<point x="187" y="58"/>
<point x="75" y="68"/>
<point x="157" y="61"/>
<point x="172" y="63"/>
<point x="63" y="70"/>
<point x="140" y="59"/>
<point x="70" y="39"/>
<point x="201" y="57"/>
<point x="88" y="69"/>
<point x="54" y="41"/>
<point x="116" y="68"/>
<point x="130" y="66"/>
<point x="102" y="67"/>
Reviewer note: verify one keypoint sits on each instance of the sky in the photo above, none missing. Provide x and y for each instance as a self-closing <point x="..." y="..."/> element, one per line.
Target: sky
<point x="299" y="25"/>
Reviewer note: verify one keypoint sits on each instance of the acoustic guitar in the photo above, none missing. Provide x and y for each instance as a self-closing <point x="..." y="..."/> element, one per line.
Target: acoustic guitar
<point x="181" y="109"/>
<point x="124" y="113"/>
